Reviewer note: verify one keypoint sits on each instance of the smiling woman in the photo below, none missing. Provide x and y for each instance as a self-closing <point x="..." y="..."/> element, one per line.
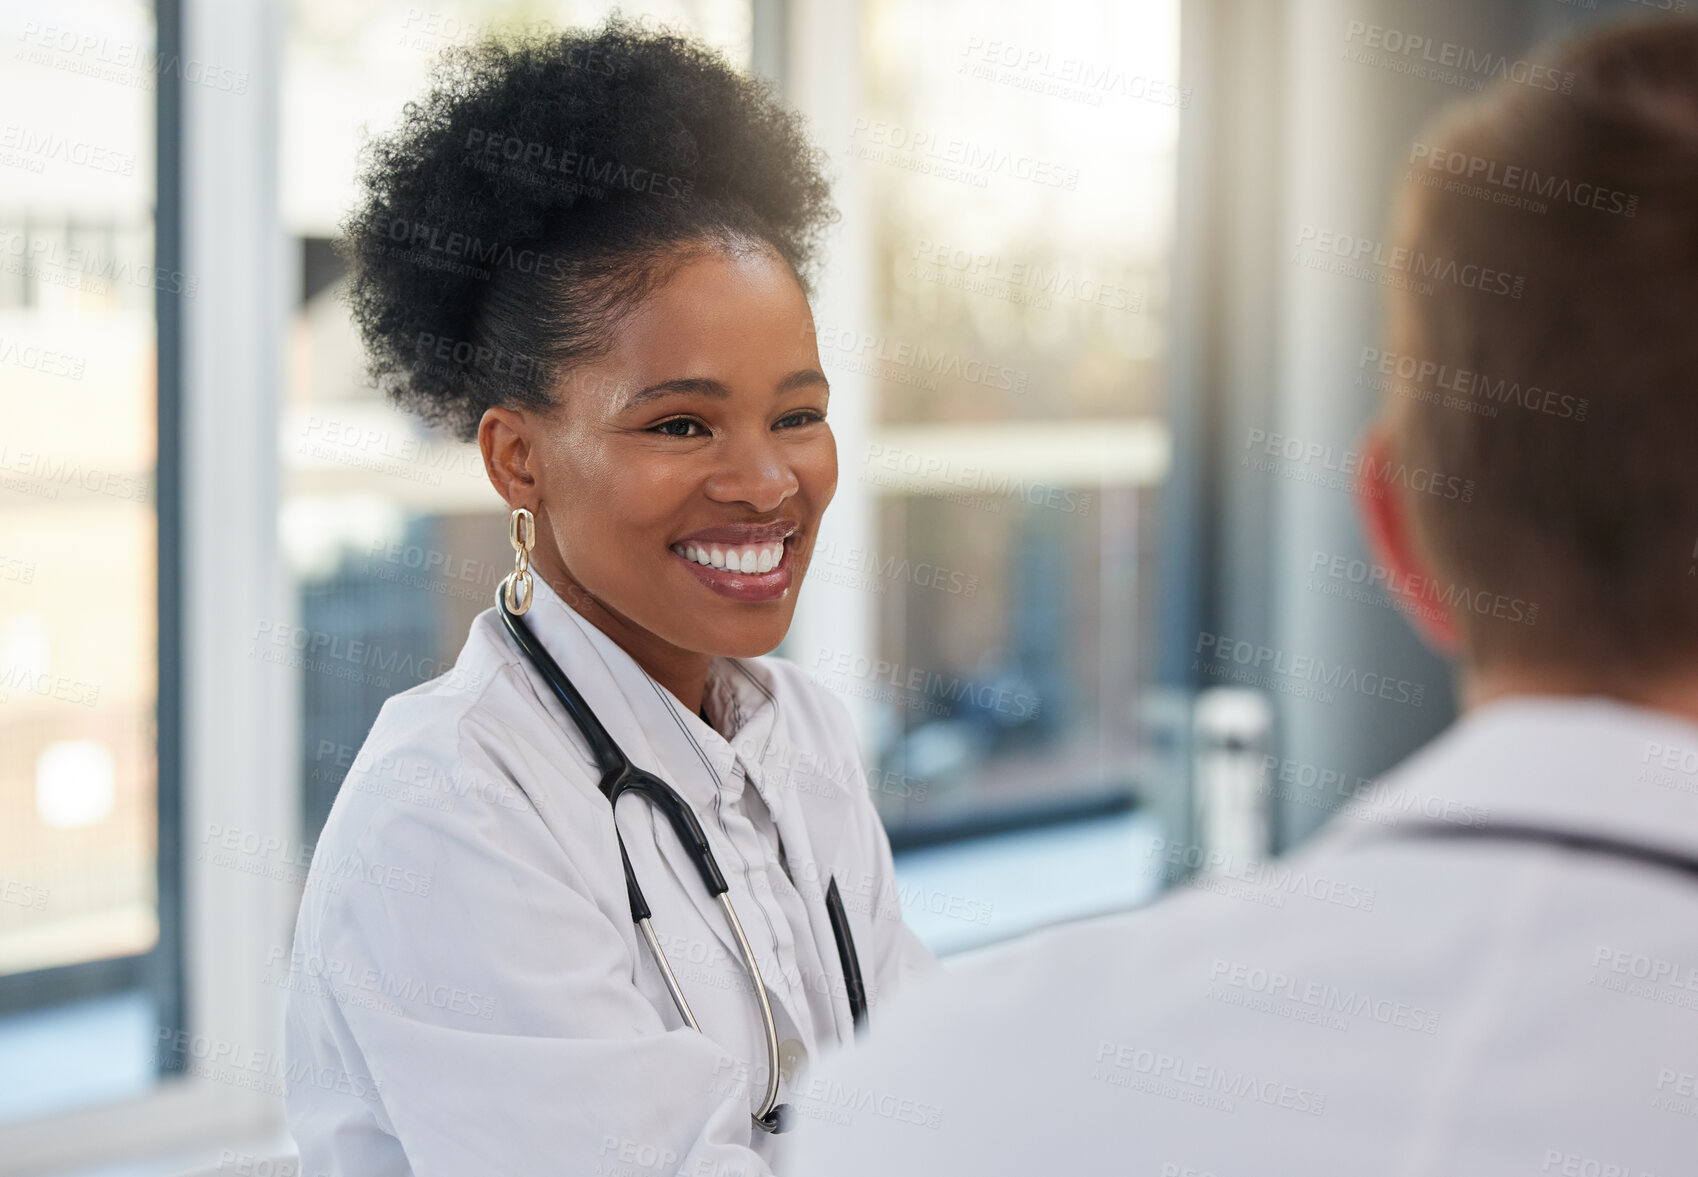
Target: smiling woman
<point x="613" y="230"/>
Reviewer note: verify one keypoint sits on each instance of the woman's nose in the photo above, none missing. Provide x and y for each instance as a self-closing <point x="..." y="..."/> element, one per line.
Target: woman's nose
<point x="753" y="469"/>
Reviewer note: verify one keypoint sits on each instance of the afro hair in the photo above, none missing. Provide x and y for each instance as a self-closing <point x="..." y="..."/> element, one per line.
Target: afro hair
<point x="545" y="184"/>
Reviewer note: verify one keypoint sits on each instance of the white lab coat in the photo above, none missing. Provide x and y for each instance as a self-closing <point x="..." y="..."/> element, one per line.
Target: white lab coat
<point x="468" y="994"/>
<point x="1371" y="1005"/>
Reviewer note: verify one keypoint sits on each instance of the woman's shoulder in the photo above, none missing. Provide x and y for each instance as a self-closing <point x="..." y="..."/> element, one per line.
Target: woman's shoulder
<point x="470" y="741"/>
<point x="482" y="665"/>
<point x="439" y="717"/>
<point x="448" y="779"/>
<point x="486" y="700"/>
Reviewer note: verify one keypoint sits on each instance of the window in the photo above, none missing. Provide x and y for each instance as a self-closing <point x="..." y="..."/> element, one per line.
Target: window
<point x="80" y="906"/>
<point x="1019" y="168"/>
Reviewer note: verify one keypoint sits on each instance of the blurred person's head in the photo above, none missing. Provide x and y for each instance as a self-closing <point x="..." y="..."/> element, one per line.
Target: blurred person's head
<point x="589" y="251"/>
<point x="1552" y="368"/>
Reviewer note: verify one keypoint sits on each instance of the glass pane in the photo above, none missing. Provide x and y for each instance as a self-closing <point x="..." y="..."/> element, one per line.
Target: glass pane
<point x="78" y="546"/>
<point x="1019" y="162"/>
<point x="78" y="561"/>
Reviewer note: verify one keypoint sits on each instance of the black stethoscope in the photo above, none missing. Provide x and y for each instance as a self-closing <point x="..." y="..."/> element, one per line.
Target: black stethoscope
<point x="619" y="776"/>
<point x="1572" y="840"/>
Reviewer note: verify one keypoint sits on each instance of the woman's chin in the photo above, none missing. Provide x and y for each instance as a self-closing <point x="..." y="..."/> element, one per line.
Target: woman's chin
<point x="746" y="637"/>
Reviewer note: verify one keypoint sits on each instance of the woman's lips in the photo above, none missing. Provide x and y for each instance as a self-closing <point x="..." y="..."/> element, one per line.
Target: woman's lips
<point x="743" y="572"/>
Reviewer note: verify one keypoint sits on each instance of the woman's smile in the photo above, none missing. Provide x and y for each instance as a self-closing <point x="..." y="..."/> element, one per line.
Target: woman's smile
<point x="743" y="561"/>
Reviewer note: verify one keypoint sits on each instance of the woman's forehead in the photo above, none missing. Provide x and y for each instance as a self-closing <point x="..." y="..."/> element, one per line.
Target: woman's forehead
<point x="737" y="320"/>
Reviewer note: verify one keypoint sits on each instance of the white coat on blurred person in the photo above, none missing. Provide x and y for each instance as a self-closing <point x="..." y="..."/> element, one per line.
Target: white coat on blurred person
<point x="1377" y="1003"/>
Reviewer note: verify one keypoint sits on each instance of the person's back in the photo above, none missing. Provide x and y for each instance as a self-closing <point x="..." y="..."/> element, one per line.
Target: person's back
<point x="1383" y="1002"/>
<point x="1489" y="966"/>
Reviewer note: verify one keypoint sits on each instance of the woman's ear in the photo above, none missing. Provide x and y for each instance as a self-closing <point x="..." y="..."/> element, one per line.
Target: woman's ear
<point x="504" y="436"/>
<point x="1385" y="518"/>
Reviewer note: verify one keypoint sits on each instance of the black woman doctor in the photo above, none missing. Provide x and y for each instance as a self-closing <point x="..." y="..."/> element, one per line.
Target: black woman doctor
<point x="588" y="252"/>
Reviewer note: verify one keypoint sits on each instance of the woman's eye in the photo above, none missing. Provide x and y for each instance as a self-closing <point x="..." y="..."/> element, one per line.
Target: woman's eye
<point x="801" y="417"/>
<point x="677" y="427"/>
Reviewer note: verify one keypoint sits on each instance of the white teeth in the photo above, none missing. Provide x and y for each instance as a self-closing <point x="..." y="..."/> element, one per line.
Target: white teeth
<point x="754" y="558"/>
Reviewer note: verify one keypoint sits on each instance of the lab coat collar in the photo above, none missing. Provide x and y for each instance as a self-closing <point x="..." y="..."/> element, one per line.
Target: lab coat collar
<point x="1586" y="764"/>
<point x="738" y="696"/>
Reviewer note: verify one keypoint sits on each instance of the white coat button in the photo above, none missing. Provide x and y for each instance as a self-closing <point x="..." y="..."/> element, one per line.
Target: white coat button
<point x="792" y="1059"/>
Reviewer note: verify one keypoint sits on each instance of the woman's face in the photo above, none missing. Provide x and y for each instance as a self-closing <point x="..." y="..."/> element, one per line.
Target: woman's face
<point x="681" y="478"/>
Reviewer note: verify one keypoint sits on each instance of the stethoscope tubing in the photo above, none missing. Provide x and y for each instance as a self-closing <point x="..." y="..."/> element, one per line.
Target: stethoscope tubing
<point x="620" y="776"/>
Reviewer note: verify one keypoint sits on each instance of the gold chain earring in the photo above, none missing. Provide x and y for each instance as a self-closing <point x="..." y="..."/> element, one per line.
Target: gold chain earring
<point x="518" y="586"/>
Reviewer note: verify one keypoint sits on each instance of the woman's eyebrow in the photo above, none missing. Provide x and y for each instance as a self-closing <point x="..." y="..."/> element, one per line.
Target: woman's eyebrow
<point x="704" y="386"/>
<point x="701" y="386"/>
<point x="803" y="378"/>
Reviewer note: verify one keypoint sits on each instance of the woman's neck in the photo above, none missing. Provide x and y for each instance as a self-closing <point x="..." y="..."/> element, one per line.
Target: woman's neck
<point x="683" y="672"/>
